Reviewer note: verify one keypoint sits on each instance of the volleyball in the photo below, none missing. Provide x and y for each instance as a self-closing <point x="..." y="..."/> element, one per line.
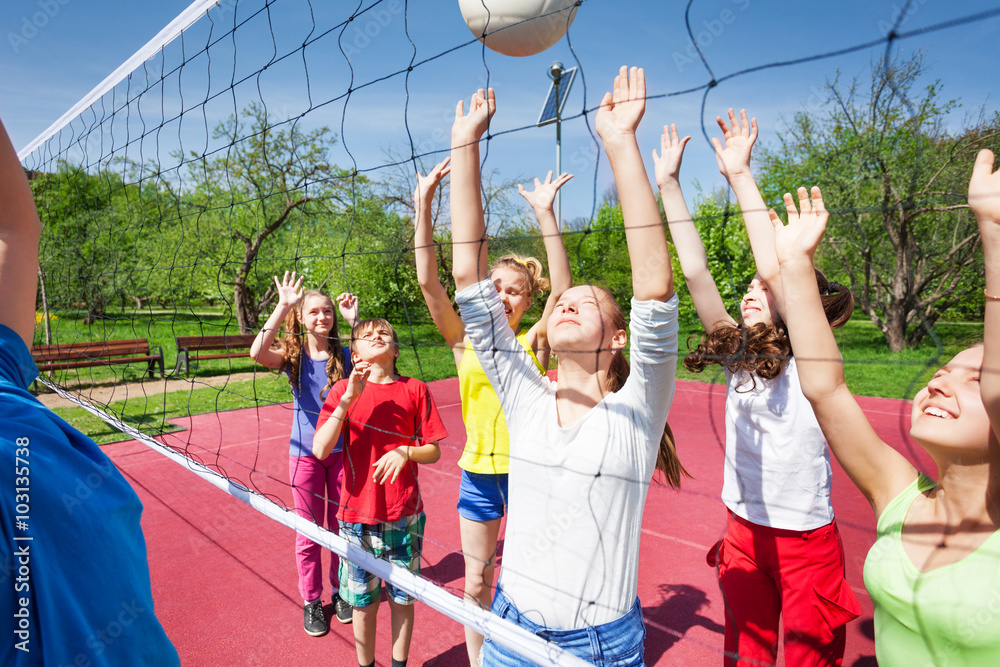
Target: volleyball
<point x="518" y="27"/>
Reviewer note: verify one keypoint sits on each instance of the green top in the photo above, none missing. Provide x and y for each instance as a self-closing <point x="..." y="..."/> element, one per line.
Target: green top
<point x="948" y="616"/>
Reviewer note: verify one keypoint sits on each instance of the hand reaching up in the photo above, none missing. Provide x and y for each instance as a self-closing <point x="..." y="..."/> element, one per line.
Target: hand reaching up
<point x="289" y="290"/>
<point x="544" y="194"/>
<point x="469" y="128"/>
<point x="426" y="185"/>
<point x="798" y="240"/>
<point x="739" y="135"/>
<point x="348" y="304"/>
<point x="621" y="110"/>
<point x="667" y="164"/>
<point x="984" y="193"/>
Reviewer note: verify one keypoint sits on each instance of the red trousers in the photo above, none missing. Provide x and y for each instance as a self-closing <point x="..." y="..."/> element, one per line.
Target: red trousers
<point x="768" y="573"/>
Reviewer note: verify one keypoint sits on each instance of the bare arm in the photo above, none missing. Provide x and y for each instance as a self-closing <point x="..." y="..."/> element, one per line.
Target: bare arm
<point x="878" y="470"/>
<point x="984" y="200"/>
<point x="389" y="464"/>
<point x="616" y="123"/>
<point x="20" y="232"/>
<point x="435" y="295"/>
<point x="467" y="223"/>
<point x="326" y="436"/>
<point x="690" y="250"/>
<point x="289" y="294"/>
<point x="740" y="135"/>
<point x="560" y="275"/>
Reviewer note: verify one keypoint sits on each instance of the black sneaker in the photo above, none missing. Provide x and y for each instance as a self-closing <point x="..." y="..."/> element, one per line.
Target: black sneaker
<point x="316" y="624"/>
<point x="344" y="611"/>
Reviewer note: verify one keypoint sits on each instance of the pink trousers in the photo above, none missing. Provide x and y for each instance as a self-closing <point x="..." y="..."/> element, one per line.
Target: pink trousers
<point x="798" y="576"/>
<point x="316" y="490"/>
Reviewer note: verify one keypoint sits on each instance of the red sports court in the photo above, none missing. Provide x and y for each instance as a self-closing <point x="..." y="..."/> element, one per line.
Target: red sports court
<point x="224" y="575"/>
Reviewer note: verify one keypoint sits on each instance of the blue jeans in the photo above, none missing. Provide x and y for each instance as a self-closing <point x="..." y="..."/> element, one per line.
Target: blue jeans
<point x="615" y="644"/>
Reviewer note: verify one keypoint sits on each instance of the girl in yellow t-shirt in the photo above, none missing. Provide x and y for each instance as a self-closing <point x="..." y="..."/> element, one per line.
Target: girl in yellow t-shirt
<point x="483" y="493"/>
<point x="934" y="571"/>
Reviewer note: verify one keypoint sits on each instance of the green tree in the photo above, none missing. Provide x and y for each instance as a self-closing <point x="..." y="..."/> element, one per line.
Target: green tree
<point x="270" y="178"/>
<point x="894" y="178"/>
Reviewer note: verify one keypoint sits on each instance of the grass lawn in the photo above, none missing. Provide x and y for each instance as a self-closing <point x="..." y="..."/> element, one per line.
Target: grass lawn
<point x="871" y="369"/>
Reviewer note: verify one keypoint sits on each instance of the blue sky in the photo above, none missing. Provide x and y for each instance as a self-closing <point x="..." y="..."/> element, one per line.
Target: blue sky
<point x="55" y="51"/>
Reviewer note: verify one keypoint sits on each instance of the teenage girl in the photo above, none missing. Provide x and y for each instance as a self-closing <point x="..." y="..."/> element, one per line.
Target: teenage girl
<point x="934" y="570"/>
<point x="312" y="362"/>
<point x="782" y="555"/>
<point x="484" y="462"/>
<point x="583" y="451"/>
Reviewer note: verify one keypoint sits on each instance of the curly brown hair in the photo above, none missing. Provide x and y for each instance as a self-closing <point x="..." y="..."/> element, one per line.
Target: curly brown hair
<point x="290" y="346"/>
<point x="764" y="349"/>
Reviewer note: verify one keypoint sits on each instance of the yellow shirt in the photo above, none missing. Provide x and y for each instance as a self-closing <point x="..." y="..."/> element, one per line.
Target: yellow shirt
<point x="487" y="446"/>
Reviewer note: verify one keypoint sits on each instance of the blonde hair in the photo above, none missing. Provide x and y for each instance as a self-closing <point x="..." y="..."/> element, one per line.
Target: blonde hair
<point x="290" y="344"/>
<point x="530" y="270"/>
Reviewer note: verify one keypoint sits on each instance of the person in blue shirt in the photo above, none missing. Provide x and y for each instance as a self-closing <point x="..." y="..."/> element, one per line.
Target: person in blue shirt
<point x="74" y="579"/>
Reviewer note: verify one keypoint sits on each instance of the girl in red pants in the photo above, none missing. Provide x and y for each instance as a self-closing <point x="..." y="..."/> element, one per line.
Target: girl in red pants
<point x="781" y="557"/>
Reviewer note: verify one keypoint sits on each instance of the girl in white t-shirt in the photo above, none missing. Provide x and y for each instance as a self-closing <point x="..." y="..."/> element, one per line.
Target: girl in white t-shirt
<point x="781" y="556"/>
<point x="583" y="451"/>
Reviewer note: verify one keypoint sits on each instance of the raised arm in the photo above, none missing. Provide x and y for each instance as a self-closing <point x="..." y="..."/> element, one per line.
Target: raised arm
<point x="690" y="250"/>
<point x="560" y="275"/>
<point x="984" y="200"/>
<point x="20" y="232"/>
<point x="328" y="433"/>
<point x="616" y="122"/>
<point x="468" y="227"/>
<point x="740" y="135"/>
<point x="878" y="470"/>
<point x="425" y="254"/>
<point x="289" y="294"/>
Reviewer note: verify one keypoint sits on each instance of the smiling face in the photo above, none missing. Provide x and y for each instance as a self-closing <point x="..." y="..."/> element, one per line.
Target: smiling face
<point x="757" y="305"/>
<point x="317" y="315"/>
<point x="949" y="412"/>
<point x="514" y="292"/>
<point x="582" y="321"/>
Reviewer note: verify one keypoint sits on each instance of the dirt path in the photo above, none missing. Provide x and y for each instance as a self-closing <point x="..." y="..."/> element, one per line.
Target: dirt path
<point x="148" y="387"/>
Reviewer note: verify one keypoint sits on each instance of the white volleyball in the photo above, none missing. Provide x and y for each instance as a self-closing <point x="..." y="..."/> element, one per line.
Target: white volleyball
<point x="518" y="27"/>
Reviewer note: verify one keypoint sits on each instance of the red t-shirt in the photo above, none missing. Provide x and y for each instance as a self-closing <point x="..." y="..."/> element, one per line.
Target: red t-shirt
<point x="384" y="417"/>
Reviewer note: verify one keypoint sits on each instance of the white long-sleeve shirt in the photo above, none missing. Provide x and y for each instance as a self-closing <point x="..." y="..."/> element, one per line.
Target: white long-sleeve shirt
<point x="576" y="495"/>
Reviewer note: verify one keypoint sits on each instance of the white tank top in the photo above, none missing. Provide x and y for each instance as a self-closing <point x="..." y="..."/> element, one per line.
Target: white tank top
<point x="777" y="470"/>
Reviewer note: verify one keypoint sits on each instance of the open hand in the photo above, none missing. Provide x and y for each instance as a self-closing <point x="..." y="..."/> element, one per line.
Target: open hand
<point x="388" y="466"/>
<point x="622" y="109"/>
<point x="289" y="290"/>
<point x="984" y="192"/>
<point x="667" y="165"/>
<point x="544" y="194"/>
<point x="739" y="135"/>
<point x="348" y="304"/>
<point x="799" y="239"/>
<point x="426" y="185"/>
<point x="470" y="127"/>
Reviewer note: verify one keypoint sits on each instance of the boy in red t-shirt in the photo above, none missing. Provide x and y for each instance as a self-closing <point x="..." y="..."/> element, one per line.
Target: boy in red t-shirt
<point x="392" y="423"/>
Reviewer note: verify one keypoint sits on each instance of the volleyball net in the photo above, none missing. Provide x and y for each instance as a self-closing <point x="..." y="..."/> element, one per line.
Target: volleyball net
<point x="252" y="138"/>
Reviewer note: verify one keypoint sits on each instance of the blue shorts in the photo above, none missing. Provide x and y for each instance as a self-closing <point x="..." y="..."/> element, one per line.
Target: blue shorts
<point x="482" y="497"/>
<point x="619" y="642"/>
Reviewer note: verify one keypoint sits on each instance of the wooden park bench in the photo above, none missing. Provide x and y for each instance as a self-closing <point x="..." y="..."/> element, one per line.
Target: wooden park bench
<point x="191" y="349"/>
<point x="98" y="353"/>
